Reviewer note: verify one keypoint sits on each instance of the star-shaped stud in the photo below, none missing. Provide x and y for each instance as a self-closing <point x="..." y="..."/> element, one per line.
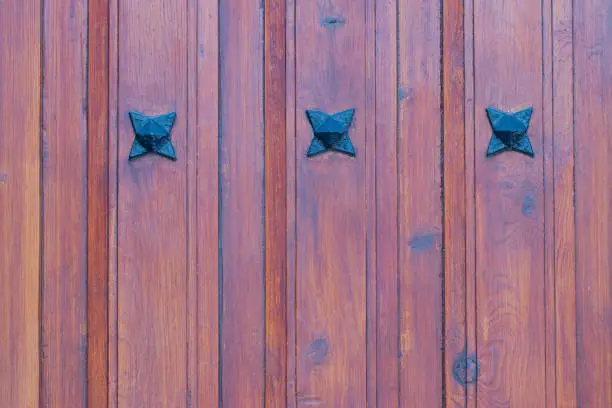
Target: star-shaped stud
<point x="152" y="135"/>
<point x="330" y="132"/>
<point x="509" y="131"/>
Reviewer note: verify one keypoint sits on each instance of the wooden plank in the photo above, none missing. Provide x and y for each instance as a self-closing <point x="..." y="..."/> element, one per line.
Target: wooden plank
<point x="371" y="239"/>
<point x="290" y="159"/>
<point x="275" y="204"/>
<point x="470" y="194"/>
<point x="152" y="193"/>
<point x="331" y="209"/>
<point x="420" y="207"/>
<point x="564" y="217"/>
<point x="592" y="103"/>
<point x="206" y="144"/>
<point x="548" y="203"/>
<point x="242" y="201"/>
<point x="64" y="292"/>
<point x="509" y="210"/>
<point x="455" y="346"/>
<point x="97" y="205"/>
<point x="387" y="205"/>
<point x="113" y="203"/>
<point x="20" y="202"/>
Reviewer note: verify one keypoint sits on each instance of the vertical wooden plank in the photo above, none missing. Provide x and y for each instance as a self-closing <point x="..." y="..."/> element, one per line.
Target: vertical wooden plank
<point x="331" y="209"/>
<point x="592" y="103"/>
<point x="420" y="207"/>
<point x="387" y="205"/>
<point x="113" y="203"/>
<point x="64" y="319"/>
<point x="275" y="204"/>
<point x="564" y="217"/>
<point x="152" y="198"/>
<point x="509" y="210"/>
<point x="371" y="241"/>
<point x="242" y="200"/>
<point x="206" y="142"/>
<point x="192" y="260"/>
<point x="470" y="193"/>
<point x="20" y="202"/>
<point x="371" y="205"/>
<point x="97" y="205"/>
<point x="290" y="160"/>
<point x="548" y="204"/>
<point x="455" y="346"/>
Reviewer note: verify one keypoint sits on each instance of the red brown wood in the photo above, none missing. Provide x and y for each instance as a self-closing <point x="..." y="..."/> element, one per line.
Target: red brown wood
<point x="97" y="205"/>
<point x="387" y="254"/>
<point x="242" y="227"/>
<point x="331" y="209"/>
<point x="275" y="204"/>
<point x="248" y="275"/>
<point x="470" y="194"/>
<point x="152" y="196"/>
<point x="420" y="209"/>
<point x="20" y="202"/>
<point x="564" y="210"/>
<point x="454" y="191"/>
<point x="509" y="211"/>
<point x="64" y="205"/>
<point x="206" y="141"/>
<point x="593" y="198"/>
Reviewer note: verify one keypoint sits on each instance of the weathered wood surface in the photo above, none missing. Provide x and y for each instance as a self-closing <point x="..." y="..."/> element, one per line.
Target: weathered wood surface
<point x="20" y="202"/>
<point x="245" y="273"/>
<point x="64" y="205"/>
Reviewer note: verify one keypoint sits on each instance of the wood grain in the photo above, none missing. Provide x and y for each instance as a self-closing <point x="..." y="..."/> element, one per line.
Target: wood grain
<point x="387" y="206"/>
<point x="548" y="203"/>
<point x="113" y="203"/>
<point x="593" y="172"/>
<point x="455" y="345"/>
<point x="97" y="205"/>
<point x="275" y="204"/>
<point x="205" y="142"/>
<point x="20" y="202"/>
<point x="331" y="209"/>
<point x="509" y="210"/>
<point x="152" y="224"/>
<point x="242" y="200"/>
<point x="64" y="150"/>
<point x="371" y="205"/>
<point x="470" y="193"/>
<point x="290" y="159"/>
<point x="564" y="210"/>
<point x="420" y="208"/>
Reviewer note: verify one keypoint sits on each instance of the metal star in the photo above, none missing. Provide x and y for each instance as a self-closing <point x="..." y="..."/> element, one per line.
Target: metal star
<point x="152" y="135"/>
<point x="509" y="131"/>
<point x="330" y="132"/>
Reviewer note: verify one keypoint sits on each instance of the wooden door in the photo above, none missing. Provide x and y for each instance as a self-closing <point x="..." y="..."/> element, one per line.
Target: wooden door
<point x="419" y="273"/>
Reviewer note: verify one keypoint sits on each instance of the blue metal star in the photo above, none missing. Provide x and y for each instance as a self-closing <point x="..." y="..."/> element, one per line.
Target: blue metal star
<point x="152" y="135"/>
<point x="509" y="131"/>
<point x="330" y="132"/>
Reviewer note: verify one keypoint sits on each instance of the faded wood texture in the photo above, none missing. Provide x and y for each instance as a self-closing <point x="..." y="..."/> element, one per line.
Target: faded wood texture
<point x="246" y="274"/>
<point x="593" y="201"/>
<point x="20" y="202"/>
<point x="64" y="205"/>
<point x="330" y="274"/>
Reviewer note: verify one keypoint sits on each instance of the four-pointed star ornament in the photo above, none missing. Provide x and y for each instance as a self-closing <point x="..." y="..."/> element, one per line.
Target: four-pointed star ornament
<point x="152" y="135"/>
<point x="330" y="132"/>
<point x="509" y="131"/>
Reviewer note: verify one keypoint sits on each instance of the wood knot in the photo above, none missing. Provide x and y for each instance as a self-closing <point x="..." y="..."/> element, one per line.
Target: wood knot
<point x="466" y="369"/>
<point x="318" y="351"/>
<point x="528" y="206"/>
<point x="333" y="22"/>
